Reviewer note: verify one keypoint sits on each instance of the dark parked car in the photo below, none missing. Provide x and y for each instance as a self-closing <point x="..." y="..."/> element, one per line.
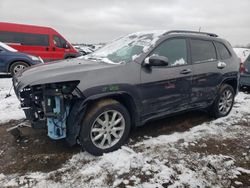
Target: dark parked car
<point x="244" y="55"/>
<point x="96" y="100"/>
<point x="12" y="61"/>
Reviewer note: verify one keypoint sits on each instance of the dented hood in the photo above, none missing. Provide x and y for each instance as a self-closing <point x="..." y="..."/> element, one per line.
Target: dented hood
<point x="60" y="71"/>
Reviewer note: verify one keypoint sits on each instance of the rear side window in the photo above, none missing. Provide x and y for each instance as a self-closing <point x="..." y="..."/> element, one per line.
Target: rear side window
<point x="35" y="39"/>
<point x="174" y="49"/>
<point x="28" y="39"/>
<point x="202" y="51"/>
<point x="222" y="50"/>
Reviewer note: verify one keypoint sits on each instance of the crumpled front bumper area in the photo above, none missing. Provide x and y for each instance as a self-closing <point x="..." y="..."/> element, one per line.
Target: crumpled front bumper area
<point x="46" y="107"/>
<point x="52" y="106"/>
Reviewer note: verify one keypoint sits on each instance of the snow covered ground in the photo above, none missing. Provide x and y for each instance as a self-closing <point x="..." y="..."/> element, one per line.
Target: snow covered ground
<point x="171" y="160"/>
<point x="9" y="107"/>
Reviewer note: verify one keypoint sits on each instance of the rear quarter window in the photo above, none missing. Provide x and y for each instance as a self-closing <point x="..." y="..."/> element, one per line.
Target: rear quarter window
<point x="202" y="51"/>
<point x="222" y="51"/>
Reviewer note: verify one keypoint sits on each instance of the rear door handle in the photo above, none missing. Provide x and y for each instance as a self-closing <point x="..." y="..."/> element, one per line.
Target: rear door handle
<point x="47" y="48"/>
<point x="186" y="71"/>
<point x="221" y="65"/>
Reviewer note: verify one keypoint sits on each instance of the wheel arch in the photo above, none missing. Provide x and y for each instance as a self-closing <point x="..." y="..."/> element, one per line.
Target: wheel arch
<point x="14" y="61"/>
<point x="80" y="108"/>
<point x="125" y="99"/>
<point x="232" y="82"/>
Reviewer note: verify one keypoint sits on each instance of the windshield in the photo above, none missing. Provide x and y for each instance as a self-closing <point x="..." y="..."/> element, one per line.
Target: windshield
<point x="6" y="47"/>
<point x="126" y="49"/>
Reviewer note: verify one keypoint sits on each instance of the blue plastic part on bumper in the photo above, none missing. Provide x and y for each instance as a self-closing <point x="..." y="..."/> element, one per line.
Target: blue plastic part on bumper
<point x="57" y="126"/>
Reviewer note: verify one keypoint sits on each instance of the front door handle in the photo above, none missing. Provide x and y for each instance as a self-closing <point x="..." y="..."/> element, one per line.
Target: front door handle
<point x="186" y="71"/>
<point x="221" y="65"/>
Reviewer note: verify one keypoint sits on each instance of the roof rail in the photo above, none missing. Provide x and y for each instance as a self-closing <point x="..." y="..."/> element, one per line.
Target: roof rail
<point x="191" y="32"/>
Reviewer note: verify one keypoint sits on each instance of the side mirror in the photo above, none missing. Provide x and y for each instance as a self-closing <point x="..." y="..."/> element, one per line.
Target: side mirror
<point x="157" y="61"/>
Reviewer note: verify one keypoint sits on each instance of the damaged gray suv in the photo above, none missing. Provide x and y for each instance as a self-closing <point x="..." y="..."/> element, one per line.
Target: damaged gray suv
<point x="97" y="99"/>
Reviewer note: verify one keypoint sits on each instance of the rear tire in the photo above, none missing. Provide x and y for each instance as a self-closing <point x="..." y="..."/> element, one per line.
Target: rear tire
<point x="105" y="127"/>
<point x="223" y="102"/>
<point x="17" y="66"/>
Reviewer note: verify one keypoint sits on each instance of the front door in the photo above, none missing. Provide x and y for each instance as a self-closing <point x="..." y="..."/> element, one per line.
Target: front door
<point x="59" y="48"/>
<point x="167" y="89"/>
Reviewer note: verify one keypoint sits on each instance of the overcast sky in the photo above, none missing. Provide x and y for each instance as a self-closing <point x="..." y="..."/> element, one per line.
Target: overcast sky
<point x="104" y="20"/>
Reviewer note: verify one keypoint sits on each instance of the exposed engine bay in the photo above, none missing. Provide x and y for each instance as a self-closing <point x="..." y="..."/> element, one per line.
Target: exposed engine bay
<point x="49" y="105"/>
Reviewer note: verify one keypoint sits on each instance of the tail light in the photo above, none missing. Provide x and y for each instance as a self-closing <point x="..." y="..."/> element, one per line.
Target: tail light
<point x="242" y="68"/>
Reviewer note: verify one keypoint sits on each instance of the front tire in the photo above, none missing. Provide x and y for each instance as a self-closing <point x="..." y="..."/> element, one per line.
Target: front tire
<point x="224" y="102"/>
<point x="17" y="66"/>
<point x="105" y="127"/>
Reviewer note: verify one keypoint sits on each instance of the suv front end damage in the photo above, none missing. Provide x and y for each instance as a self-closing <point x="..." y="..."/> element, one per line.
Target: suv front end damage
<point x="49" y="105"/>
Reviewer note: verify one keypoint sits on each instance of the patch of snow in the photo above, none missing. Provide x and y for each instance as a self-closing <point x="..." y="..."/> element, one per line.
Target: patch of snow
<point x="243" y="170"/>
<point x="238" y="183"/>
<point x="9" y="107"/>
<point x="242" y="53"/>
<point x="128" y="46"/>
<point x="135" y="56"/>
<point x="179" y="62"/>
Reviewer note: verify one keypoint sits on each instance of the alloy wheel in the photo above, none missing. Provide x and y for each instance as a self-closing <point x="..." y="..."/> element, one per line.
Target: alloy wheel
<point x="18" y="68"/>
<point x="225" y="101"/>
<point x="107" y="129"/>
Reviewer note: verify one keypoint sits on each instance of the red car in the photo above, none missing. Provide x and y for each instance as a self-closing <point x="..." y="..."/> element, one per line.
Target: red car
<point x="36" y="40"/>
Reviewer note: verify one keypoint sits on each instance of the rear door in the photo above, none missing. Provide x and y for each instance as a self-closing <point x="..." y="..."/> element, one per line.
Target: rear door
<point x="167" y="89"/>
<point x="206" y="74"/>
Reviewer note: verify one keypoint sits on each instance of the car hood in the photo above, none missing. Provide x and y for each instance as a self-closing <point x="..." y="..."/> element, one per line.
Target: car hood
<point x="60" y="71"/>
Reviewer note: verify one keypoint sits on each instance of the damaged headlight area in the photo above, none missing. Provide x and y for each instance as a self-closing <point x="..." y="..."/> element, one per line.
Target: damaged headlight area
<point x="49" y="105"/>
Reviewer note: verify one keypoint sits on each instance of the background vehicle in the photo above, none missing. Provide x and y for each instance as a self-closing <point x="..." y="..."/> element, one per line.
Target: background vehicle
<point x="84" y="50"/>
<point x="244" y="55"/>
<point x="12" y="61"/>
<point x="137" y="78"/>
<point x="36" y="40"/>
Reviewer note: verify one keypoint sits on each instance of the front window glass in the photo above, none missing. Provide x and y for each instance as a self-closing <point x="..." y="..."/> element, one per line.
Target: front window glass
<point x="127" y="48"/>
<point x="57" y="41"/>
<point x="174" y="49"/>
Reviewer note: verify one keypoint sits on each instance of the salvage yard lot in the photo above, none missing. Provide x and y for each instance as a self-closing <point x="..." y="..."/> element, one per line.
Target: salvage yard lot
<point x="188" y="150"/>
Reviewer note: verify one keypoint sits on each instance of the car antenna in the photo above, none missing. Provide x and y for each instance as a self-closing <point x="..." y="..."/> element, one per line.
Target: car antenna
<point x="8" y="95"/>
<point x="199" y="29"/>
